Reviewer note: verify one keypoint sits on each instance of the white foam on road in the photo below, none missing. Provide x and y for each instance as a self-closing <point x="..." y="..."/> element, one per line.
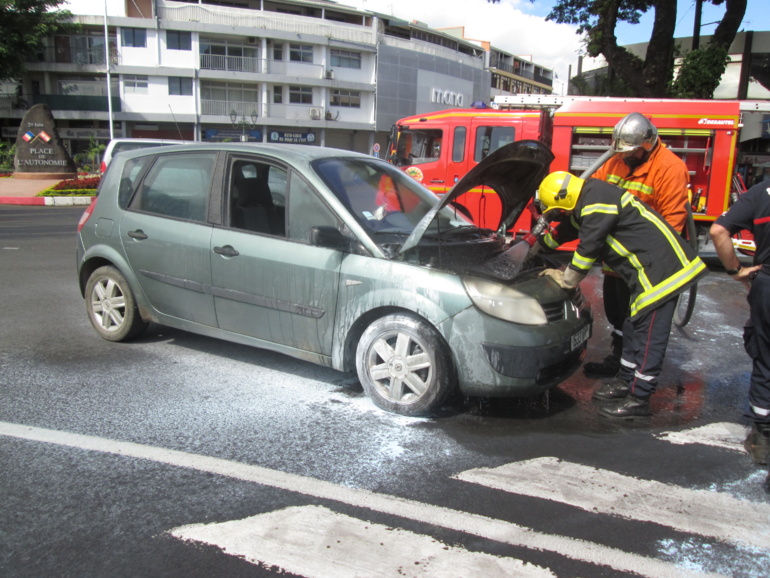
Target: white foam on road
<point x="465" y="522"/>
<point x="702" y="512"/>
<point x="315" y="542"/>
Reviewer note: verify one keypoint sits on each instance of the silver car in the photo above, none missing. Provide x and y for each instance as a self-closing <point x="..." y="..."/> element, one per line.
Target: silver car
<point x="333" y="257"/>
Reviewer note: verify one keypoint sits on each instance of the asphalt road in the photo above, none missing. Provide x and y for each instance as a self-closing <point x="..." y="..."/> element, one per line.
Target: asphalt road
<point x="179" y="455"/>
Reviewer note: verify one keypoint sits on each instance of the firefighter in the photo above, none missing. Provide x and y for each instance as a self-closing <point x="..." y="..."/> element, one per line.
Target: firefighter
<point x="646" y="168"/>
<point x="614" y="227"/>
<point x="752" y="212"/>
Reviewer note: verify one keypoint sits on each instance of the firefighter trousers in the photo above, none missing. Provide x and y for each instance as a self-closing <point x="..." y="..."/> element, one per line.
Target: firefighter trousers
<point x="757" y="342"/>
<point x="617" y="304"/>
<point x="645" y="339"/>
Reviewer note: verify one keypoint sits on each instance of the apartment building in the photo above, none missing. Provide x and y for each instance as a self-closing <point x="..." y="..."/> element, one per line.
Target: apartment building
<point x="285" y="71"/>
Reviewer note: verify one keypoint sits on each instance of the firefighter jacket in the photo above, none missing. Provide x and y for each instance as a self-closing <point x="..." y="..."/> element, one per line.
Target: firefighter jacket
<point x="752" y="212"/>
<point x="615" y="227"/>
<point x="662" y="182"/>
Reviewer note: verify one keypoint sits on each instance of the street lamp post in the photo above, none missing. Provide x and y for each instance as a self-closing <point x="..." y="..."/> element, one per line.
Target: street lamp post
<point x="243" y="123"/>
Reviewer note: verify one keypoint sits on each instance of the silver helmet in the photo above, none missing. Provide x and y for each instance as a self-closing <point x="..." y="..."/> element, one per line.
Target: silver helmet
<point x="632" y="132"/>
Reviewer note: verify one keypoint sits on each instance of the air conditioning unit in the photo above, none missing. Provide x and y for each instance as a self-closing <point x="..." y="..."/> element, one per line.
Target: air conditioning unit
<point x="329" y="115"/>
<point x="252" y="40"/>
<point x="315" y="114"/>
<point x="330" y="74"/>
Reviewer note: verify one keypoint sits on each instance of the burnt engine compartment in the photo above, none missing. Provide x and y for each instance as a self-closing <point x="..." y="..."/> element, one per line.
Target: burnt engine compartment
<point x="479" y="252"/>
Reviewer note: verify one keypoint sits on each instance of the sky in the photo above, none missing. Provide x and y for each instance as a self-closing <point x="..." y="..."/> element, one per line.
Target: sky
<point x="519" y="26"/>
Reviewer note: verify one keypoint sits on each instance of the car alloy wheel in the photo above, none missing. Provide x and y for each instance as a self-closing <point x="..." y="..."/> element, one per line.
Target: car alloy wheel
<point x="111" y="305"/>
<point x="404" y="365"/>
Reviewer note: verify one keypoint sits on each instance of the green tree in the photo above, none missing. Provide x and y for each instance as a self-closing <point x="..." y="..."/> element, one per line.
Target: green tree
<point x="24" y="28"/>
<point x="652" y="76"/>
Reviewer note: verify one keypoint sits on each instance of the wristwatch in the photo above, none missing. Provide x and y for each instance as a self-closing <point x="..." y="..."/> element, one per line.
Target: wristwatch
<point x="733" y="271"/>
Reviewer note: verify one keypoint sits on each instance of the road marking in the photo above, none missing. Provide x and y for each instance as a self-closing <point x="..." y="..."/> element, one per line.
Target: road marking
<point x="489" y="528"/>
<point x="315" y="542"/>
<point x="721" y="435"/>
<point x="702" y="512"/>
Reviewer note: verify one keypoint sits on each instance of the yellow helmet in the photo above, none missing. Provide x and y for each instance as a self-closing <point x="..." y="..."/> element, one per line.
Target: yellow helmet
<point x="560" y="190"/>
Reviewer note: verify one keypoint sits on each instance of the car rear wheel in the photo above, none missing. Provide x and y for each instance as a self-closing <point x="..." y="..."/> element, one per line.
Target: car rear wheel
<point x="111" y="305"/>
<point x="404" y="365"/>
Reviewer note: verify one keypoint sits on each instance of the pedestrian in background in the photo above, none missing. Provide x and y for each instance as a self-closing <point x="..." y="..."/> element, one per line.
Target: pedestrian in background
<point x="752" y="212"/>
<point x="647" y="169"/>
<point x="647" y="254"/>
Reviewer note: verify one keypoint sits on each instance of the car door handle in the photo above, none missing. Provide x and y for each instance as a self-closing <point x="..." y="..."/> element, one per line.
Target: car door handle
<point x="226" y="251"/>
<point x="437" y="180"/>
<point x="138" y="234"/>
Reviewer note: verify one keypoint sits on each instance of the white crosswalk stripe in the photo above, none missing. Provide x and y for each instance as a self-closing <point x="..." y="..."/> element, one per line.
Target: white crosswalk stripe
<point x="702" y="512"/>
<point x="315" y="542"/>
<point x="725" y="435"/>
<point x="493" y="529"/>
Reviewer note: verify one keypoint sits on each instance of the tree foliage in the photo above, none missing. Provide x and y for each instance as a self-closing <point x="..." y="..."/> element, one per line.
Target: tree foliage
<point x="652" y="76"/>
<point x="24" y="28"/>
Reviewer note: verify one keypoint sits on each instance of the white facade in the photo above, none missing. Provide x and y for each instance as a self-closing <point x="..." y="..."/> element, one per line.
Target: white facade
<point x="294" y="70"/>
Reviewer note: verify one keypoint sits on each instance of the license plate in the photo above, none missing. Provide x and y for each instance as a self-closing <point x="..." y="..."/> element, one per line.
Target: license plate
<point x="578" y="338"/>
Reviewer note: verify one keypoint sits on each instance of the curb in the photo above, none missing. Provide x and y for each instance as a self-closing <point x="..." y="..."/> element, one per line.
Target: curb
<point x="47" y="201"/>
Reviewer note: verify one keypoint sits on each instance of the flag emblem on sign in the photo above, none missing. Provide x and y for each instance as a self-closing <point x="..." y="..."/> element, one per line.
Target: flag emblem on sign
<point x="28" y="136"/>
<point x="44" y="136"/>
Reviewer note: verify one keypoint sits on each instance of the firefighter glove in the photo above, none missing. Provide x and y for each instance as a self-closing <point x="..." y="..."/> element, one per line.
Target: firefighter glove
<point x="568" y="279"/>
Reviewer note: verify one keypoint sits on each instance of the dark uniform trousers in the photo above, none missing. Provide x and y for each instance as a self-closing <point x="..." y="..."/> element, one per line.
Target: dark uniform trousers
<point x="645" y="339"/>
<point x="757" y="341"/>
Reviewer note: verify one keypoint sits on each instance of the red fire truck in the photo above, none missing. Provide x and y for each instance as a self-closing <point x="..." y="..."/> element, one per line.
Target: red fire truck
<point x="439" y="148"/>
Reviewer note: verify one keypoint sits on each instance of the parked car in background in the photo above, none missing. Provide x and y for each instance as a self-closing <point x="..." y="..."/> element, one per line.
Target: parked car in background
<point x="333" y="257"/>
<point x="118" y="145"/>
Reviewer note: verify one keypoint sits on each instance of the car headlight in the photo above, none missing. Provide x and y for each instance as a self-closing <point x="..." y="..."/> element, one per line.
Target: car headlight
<point x="504" y="303"/>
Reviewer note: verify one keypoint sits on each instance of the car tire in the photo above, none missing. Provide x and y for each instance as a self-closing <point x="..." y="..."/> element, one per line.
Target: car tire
<point x="111" y="305"/>
<point x="404" y="365"/>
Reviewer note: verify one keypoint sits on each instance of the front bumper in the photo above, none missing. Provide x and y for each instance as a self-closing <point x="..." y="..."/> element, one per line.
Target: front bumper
<point x="494" y="358"/>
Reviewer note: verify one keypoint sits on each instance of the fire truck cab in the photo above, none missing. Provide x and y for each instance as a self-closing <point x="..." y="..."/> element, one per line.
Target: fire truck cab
<point x="439" y="148"/>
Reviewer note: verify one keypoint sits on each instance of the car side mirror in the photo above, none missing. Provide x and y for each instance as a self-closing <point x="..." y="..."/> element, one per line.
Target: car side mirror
<point x="330" y="238"/>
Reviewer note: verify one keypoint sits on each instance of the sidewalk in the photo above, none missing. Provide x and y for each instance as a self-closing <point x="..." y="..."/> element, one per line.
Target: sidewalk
<point x="23" y="192"/>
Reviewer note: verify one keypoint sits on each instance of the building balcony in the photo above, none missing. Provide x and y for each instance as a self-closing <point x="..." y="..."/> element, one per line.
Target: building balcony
<point x="230" y="63"/>
<point x="78" y="102"/>
<point x="257" y="19"/>
<point x="225" y="107"/>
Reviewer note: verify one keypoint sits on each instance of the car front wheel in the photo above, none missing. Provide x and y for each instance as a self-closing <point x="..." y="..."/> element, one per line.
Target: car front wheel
<point x="404" y="365"/>
<point x="111" y="305"/>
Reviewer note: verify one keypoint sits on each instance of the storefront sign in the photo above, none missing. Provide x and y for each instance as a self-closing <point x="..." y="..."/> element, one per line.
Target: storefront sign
<point x="291" y="137"/>
<point x="231" y="135"/>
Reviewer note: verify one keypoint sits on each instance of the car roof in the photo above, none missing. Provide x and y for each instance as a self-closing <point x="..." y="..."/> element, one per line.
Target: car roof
<point x="291" y="153"/>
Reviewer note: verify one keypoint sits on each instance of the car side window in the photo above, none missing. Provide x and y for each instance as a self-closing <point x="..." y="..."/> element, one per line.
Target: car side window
<point x="177" y="186"/>
<point x="131" y="171"/>
<point x="306" y="210"/>
<point x="257" y="197"/>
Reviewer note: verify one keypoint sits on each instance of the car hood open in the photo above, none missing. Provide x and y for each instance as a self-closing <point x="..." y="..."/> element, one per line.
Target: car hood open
<point x="513" y="172"/>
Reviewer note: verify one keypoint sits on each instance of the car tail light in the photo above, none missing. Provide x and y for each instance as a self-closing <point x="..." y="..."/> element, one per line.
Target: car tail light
<point x="102" y="167"/>
<point x="87" y="214"/>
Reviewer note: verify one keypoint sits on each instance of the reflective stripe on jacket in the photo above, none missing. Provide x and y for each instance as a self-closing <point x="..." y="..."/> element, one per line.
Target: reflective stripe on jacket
<point x="615" y="227"/>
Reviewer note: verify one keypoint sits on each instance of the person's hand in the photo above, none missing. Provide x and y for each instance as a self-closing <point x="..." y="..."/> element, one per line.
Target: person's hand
<point x="746" y="274"/>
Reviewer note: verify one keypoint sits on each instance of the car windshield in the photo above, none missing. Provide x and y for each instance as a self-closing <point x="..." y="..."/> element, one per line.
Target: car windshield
<point x="385" y="201"/>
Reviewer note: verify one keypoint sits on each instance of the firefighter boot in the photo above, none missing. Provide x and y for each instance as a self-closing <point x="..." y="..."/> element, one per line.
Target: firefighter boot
<point x="612" y="389"/>
<point x="630" y="408"/>
<point x="757" y="443"/>
<point x="610" y="366"/>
